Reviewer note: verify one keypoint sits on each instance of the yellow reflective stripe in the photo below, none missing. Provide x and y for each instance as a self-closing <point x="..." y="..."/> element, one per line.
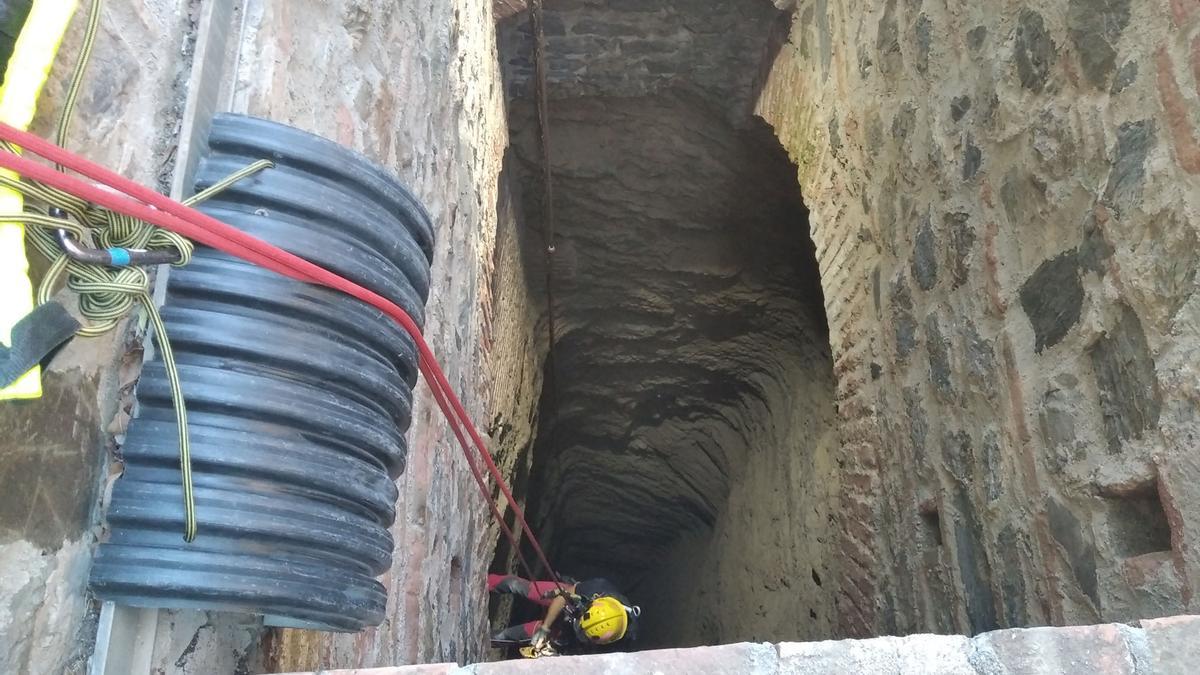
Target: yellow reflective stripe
<point x="28" y="69"/>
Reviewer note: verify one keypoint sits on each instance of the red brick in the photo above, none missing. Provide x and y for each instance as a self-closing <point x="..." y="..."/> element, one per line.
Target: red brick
<point x="854" y="596"/>
<point x="1168" y="485"/>
<point x="855" y="508"/>
<point x="345" y="126"/>
<point x="1195" y="58"/>
<point x="853" y="621"/>
<point x="1174" y="643"/>
<point x="1097" y="650"/>
<point x="1133" y="486"/>
<point x="1182" y="9"/>
<point x="855" y="552"/>
<point x="1150" y="570"/>
<point x="997" y="305"/>
<point x="1178" y="114"/>
<point x="853" y="407"/>
<point x="861" y="531"/>
<point x="861" y="482"/>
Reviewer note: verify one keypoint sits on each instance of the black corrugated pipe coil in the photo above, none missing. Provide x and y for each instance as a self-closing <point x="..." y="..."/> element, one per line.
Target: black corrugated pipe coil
<point x="298" y="397"/>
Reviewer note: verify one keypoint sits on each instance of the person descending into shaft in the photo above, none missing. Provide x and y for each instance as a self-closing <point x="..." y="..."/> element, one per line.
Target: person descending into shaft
<point x="595" y="613"/>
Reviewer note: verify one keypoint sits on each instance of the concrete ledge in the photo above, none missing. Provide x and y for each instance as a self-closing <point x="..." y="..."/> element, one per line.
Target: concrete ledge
<point x="419" y="669"/>
<point x="1093" y="649"/>
<point x="755" y="659"/>
<point x="925" y="654"/>
<point x="1173" y="644"/>
<point x="1169" y="646"/>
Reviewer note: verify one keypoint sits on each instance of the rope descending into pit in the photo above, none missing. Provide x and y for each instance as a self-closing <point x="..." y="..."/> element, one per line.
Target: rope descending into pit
<point x="543" y="122"/>
<point x="107" y="294"/>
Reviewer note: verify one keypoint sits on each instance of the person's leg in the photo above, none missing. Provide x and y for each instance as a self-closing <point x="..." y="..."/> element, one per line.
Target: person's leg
<point x="538" y="591"/>
<point x="508" y="583"/>
<point x="519" y="633"/>
<point x="514" y="585"/>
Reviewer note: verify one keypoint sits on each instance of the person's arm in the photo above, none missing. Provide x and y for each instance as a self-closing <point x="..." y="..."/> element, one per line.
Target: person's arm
<point x="552" y="613"/>
<point x="556" y="608"/>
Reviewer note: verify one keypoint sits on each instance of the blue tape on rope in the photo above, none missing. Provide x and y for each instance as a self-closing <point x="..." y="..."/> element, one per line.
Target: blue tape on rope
<point x="120" y="256"/>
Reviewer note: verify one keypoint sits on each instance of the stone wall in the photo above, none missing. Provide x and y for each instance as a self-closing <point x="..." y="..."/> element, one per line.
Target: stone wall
<point x="54" y="450"/>
<point x="1004" y="202"/>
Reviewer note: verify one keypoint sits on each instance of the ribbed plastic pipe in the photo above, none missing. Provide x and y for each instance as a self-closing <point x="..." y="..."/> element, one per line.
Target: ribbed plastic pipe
<point x="298" y="398"/>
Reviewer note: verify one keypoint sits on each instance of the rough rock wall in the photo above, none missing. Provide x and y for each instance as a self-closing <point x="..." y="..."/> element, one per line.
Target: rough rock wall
<point x="1004" y="202"/>
<point x="415" y="86"/>
<point x="663" y="355"/>
<point x="763" y="571"/>
<point x="53" y="451"/>
<point x="690" y="417"/>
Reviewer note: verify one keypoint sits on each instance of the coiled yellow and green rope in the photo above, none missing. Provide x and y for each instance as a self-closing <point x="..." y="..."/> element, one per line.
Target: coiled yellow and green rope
<point x="107" y="294"/>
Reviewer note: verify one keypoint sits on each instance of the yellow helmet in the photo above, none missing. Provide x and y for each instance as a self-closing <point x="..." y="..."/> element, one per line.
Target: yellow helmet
<point x="605" y="620"/>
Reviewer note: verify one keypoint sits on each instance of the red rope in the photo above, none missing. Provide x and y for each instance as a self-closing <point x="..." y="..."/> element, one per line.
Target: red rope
<point x="144" y="204"/>
<point x="483" y="490"/>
